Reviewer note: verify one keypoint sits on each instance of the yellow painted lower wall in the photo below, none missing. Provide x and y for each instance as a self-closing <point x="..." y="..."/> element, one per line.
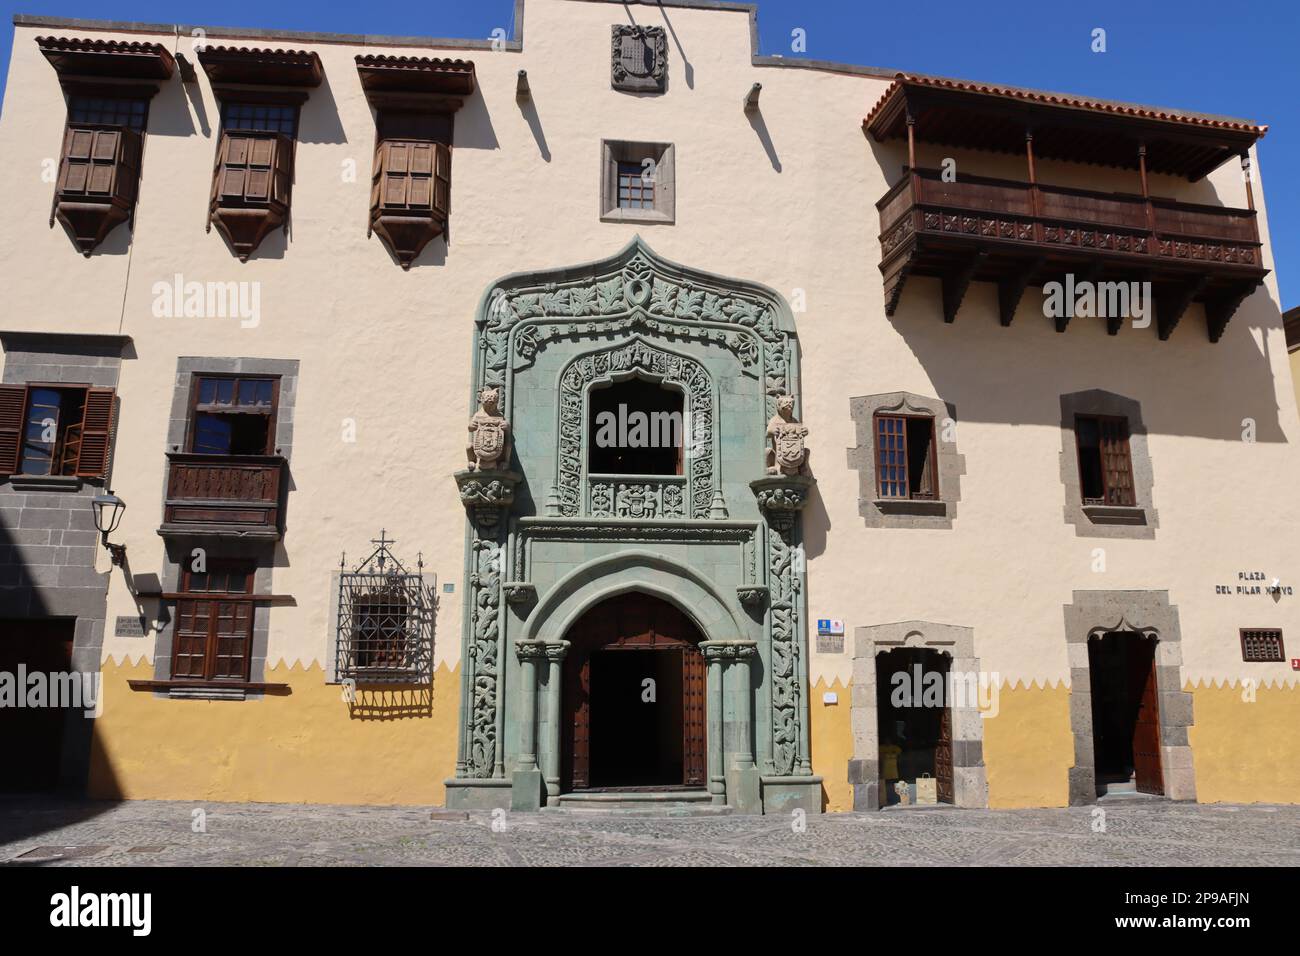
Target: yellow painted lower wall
<point x="396" y="748"/>
<point x="1029" y="748"/>
<point x="830" y="737"/>
<point x="1246" y="752"/>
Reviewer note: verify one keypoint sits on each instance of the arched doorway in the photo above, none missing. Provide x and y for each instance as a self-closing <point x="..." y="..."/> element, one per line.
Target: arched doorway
<point x="633" y="700"/>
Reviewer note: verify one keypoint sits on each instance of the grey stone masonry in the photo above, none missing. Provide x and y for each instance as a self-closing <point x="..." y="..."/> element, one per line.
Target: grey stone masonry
<point x="47" y="530"/>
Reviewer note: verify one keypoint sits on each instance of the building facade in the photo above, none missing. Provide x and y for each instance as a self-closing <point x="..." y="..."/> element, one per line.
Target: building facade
<point x="976" y="413"/>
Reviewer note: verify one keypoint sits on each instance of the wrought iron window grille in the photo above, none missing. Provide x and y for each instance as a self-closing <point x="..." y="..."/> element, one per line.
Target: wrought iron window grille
<point x="385" y="620"/>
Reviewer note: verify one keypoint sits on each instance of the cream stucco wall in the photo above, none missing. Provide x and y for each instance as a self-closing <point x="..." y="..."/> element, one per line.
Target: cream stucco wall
<point x="787" y="199"/>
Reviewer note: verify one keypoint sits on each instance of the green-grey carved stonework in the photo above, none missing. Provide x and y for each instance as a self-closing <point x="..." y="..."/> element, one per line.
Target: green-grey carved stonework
<point x="569" y="539"/>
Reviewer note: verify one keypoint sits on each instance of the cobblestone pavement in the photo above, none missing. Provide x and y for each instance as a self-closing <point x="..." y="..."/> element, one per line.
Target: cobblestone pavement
<point x="51" y="833"/>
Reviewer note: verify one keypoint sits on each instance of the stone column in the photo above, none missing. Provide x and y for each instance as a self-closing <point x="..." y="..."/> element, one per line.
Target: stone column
<point x="526" y="782"/>
<point x="735" y="711"/>
<point x="713" y="702"/>
<point x="555" y="654"/>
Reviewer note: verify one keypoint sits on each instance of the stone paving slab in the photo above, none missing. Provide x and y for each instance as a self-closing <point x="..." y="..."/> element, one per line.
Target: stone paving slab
<point x="161" y="833"/>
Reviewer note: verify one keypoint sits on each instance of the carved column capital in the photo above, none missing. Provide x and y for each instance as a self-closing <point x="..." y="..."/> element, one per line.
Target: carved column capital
<point x="782" y="497"/>
<point x="557" y="650"/>
<point x="486" y="493"/>
<point x="531" y="650"/>
<point x="727" y="651"/>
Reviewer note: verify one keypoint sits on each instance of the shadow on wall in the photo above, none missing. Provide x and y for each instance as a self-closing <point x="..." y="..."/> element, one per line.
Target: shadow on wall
<point x="1187" y="385"/>
<point x="45" y="754"/>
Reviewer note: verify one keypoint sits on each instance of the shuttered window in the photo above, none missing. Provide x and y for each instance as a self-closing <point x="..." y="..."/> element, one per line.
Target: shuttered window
<point x="53" y="430"/>
<point x="214" y="624"/>
<point x="412" y="176"/>
<point x="1105" y="461"/>
<point x="253" y="169"/>
<point x="905" y="459"/>
<point x="101" y="164"/>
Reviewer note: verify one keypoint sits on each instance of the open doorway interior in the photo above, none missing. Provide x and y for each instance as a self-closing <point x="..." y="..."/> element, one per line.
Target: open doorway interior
<point x="914" y="724"/>
<point x="1125" y="713"/>
<point x="31" y="736"/>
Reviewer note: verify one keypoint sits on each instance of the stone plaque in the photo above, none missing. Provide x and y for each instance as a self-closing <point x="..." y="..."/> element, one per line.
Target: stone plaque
<point x="128" y="627"/>
<point x="830" y="643"/>
<point x="640" y="59"/>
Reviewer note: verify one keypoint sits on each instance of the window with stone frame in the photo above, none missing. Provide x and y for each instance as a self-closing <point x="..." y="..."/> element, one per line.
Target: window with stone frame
<point x="638" y="182"/>
<point x="233" y="415"/>
<point x="1105" y="462"/>
<point x="906" y="464"/>
<point x="50" y="429"/>
<point x="213" y="633"/>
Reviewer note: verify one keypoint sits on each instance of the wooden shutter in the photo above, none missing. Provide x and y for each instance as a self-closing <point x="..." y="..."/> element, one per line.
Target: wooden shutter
<point x="442" y="181"/>
<point x="412" y="176"/>
<point x="100" y="163"/>
<point x="13" y="402"/>
<point x="1116" y="461"/>
<point x="96" y="433"/>
<point x="253" y="169"/>
<point x="926" y="488"/>
<point x="891" y="456"/>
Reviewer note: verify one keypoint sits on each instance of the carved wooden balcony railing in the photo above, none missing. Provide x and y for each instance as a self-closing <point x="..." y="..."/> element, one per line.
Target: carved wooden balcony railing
<point x="227" y="495"/>
<point x="1019" y="234"/>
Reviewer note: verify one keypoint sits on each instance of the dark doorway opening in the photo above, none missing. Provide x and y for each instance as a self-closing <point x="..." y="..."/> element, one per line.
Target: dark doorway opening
<point x="914" y="721"/>
<point x="635" y="428"/>
<point x="31" y="738"/>
<point x="1125" y="713"/>
<point x="634" y="699"/>
<point x="636" y="718"/>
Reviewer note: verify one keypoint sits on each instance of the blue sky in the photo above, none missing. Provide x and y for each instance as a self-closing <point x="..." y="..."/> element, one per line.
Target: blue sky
<point x="1234" y="59"/>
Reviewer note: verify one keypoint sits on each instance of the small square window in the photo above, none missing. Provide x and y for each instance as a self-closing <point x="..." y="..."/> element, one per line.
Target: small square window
<point x="1262" y="646"/>
<point x="638" y="182"/>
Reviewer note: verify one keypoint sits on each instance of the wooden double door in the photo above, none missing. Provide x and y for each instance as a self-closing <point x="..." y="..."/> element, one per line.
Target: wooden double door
<point x="634" y="699"/>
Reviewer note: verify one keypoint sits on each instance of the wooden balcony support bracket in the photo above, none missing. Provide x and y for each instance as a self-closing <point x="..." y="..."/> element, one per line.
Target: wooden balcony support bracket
<point x="957" y="280"/>
<point x="1220" y="308"/>
<point x="894" y="283"/>
<point x="1172" y="301"/>
<point x="1086" y="276"/>
<point x="1012" y="289"/>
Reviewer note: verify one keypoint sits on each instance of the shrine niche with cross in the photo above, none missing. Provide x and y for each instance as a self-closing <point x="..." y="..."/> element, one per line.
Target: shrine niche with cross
<point x="640" y="59"/>
<point x="385" y="619"/>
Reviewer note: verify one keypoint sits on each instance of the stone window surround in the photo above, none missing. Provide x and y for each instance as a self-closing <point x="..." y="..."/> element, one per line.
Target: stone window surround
<point x="75" y="589"/>
<point x="1094" y="613"/>
<point x="969" y="779"/>
<point x="187" y="366"/>
<point x="613" y="152"/>
<point x="950" y="466"/>
<point x="261" y="553"/>
<point x="1107" y="521"/>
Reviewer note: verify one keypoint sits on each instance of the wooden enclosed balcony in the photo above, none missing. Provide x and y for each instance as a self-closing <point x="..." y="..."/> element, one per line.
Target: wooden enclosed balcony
<point x="1018" y="233"/>
<point x="225" y="495"/>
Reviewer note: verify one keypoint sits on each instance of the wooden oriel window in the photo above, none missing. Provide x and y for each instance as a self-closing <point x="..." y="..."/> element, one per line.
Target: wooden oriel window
<point x="1105" y="462"/>
<point x="99" y="166"/>
<point x="55" y="430"/>
<point x="214" y="623"/>
<point x="233" y="415"/>
<point x="410" y="195"/>
<point x="905" y="457"/>
<point x="252" y="179"/>
<point x="1262" y="646"/>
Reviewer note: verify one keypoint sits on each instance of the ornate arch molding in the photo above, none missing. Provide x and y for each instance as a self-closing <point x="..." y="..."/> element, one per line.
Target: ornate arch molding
<point x="1149" y="613"/>
<point x="637" y="356"/>
<point x="970" y="781"/>
<point x="630" y="292"/>
<point x="635" y="570"/>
